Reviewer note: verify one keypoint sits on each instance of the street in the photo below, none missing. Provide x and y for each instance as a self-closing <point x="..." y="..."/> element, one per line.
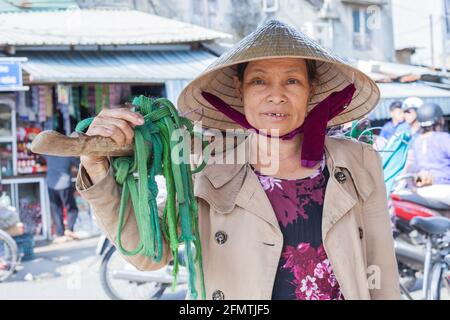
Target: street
<point x="66" y="271"/>
<point x="69" y="271"/>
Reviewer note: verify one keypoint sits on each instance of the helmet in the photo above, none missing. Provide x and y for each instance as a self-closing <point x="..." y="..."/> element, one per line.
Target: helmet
<point x="412" y="103"/>
<point x="429" y="114"/>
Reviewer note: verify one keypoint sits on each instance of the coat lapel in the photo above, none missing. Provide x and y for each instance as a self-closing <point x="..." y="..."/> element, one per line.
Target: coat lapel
<point x="253" y="198"/>
<point x="242" y="188"/>
<point x="338" y="201"/>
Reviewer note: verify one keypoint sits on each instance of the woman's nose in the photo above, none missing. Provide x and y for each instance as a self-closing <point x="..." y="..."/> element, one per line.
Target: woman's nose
<point x="277" y="99"/>
<point x="277" y="96"/>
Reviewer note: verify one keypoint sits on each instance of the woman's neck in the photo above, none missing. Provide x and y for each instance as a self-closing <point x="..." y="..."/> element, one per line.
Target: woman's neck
<point x="278" y="157"/>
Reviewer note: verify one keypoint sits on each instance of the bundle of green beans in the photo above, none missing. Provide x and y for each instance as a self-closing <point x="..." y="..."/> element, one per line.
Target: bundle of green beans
<point x="157" y="151"/>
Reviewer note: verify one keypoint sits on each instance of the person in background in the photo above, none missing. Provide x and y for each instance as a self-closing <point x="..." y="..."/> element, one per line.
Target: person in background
<point x="411" y="125"/>
<point x="61" y="194"/>
<point x="397" y="117"/>
<point x="431" y="155"/>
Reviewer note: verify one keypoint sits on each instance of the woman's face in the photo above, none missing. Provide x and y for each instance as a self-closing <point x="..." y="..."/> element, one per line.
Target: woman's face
<point x="275" y="94"/>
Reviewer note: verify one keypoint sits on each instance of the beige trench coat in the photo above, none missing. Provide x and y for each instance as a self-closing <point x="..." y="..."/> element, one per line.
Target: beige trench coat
<point x="356" y="227"/>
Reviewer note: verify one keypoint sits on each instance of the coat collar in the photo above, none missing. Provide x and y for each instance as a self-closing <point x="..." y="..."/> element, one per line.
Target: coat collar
<point x="242" y="187"/>
<point x="337" y="155"/>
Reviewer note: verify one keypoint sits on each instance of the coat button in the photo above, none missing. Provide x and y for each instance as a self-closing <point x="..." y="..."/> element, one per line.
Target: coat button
<point x="361" y="232"/>
<point x="218" y="295"/>
<point x="340" y="176"/>
<point x="221" y="237"/>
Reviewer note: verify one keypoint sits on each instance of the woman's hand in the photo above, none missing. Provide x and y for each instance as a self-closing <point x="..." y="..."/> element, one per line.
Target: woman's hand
<point x="116" y="123"/>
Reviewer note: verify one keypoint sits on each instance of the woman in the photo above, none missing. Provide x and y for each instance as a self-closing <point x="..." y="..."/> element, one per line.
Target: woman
<point x="308" y="221"/>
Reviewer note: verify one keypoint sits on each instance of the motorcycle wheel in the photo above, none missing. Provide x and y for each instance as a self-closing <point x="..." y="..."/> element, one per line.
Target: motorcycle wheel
<point x="150" y="291"/>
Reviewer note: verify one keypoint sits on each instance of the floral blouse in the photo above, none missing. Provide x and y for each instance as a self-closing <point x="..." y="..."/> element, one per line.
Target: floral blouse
<point x="304" y="272"/>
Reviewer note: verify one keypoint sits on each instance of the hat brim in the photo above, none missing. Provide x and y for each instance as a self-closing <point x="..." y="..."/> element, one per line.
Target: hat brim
<point x="332" y="74"/>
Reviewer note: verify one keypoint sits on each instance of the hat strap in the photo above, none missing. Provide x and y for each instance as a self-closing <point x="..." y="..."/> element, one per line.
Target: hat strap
<point x="314" y="127"/>
<point x="315" y="124"/>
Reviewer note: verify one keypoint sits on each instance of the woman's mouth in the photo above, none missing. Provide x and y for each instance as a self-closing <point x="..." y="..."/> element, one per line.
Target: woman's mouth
<point x="276" y="116"/>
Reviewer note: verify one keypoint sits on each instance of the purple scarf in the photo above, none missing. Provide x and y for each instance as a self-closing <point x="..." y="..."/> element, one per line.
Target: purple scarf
<point x="313" y="128"/>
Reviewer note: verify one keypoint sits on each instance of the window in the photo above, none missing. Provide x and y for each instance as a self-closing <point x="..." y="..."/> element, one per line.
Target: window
<point x="447" y="18"/>
<point x="362" y="34"/>
<point x="197" y="7"/>
<point x="213" y="7"/>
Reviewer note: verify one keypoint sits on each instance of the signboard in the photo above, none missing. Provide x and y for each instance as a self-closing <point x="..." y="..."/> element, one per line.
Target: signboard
<point x="11" y="74"/>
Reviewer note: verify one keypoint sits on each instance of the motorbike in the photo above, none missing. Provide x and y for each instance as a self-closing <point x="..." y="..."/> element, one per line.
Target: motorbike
<point x="122" y="281"/>
<point x="420" y="227"/>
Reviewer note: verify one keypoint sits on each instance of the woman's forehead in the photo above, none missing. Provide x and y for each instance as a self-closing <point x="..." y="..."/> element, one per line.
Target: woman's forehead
<point x="283" y="64"/>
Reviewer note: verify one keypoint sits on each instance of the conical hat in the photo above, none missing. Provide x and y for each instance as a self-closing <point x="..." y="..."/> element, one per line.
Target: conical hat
<point x="276" y="39"/>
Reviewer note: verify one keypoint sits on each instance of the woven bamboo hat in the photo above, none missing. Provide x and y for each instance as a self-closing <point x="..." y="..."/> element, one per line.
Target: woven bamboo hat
<point x="276" y="39"/>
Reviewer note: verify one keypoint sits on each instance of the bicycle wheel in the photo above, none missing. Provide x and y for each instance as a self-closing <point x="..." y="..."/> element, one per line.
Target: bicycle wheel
<point x="435" y="283"/>
<point x="9" y="255"/>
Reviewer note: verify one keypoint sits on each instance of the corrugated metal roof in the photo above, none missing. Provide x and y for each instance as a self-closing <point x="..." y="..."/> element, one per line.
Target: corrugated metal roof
<point x="400" y="91"/>
<point x="114" y="66"/>
<point x="398" y="69"/>
<point x="405" y="90"/>
<point x="387" y="71"/>
<point x="97" y="27"/>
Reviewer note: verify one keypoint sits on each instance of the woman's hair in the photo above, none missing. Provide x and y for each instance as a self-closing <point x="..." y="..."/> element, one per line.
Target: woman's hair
<point x="310" y="67"/>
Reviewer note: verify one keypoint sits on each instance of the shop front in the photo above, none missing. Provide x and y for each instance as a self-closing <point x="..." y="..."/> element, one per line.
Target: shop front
<point x="61" y="94"/>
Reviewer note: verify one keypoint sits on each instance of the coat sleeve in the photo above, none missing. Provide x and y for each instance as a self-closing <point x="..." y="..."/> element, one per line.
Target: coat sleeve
<point x="381" y="258"/>
<point x="104" y="199"/>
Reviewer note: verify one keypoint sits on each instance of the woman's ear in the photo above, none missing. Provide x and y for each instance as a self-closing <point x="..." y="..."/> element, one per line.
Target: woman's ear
<point x="238" y="86"/>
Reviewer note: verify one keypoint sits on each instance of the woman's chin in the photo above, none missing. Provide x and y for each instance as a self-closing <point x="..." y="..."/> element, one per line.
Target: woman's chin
<point x="274" y="128"/>
<point x="275" y="131"/>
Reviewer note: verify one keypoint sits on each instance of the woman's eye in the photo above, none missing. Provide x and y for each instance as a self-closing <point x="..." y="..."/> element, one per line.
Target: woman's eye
<point x="293" y="81"/>
<point x="258" y="81"/>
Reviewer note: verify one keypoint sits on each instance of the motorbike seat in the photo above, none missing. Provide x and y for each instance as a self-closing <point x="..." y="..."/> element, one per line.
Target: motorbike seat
<point x="429" y="203"/>
<point x="432" y="225"/>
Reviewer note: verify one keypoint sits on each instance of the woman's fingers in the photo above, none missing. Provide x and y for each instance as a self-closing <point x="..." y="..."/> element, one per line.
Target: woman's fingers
<point x="110" y="131"/>
<point x="124" y="126"/>
<point x="99" y="130"/>
<point x="117" y="134"/>
<point x="116" y="123"/>
<point x="123" y="114"/>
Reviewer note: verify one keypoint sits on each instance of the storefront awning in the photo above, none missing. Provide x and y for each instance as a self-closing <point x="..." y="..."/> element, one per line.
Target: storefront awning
<point x="114" y="66"/>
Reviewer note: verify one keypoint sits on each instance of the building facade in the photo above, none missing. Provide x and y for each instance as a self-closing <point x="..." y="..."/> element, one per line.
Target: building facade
<point x="355" y="29"/>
